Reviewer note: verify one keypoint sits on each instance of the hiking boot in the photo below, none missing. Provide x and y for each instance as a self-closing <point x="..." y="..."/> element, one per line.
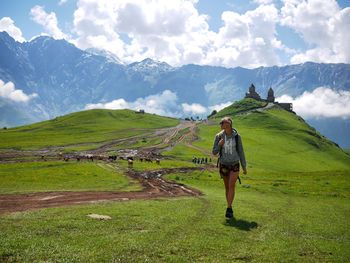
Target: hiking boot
<point x="229" y="212"/>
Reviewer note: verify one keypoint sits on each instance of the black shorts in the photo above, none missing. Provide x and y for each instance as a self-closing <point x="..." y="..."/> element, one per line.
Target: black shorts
<point x="226" y="169"/>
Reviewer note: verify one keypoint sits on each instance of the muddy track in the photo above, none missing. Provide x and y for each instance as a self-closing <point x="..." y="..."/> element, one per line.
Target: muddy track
<point x="154" y="186"/>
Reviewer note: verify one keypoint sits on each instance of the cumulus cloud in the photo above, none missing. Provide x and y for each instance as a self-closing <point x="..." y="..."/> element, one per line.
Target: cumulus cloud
<point x="62" y="2"/>
<point x="164" y="104"/>
<point x="48" y="21"/>
<point x="323" y="102"/>
<point x="219" y="107"/>
<point x="322" y="25"/>
<point x="194" y="108"/>
<point x="175" y="32"/>
<point x="8" y="25"/>
<point x="8" y="91"/>
<point x="247" y="39"/>
<point x="263" y="2"/>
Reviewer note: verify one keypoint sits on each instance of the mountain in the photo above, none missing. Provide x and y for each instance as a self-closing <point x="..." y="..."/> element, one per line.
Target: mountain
<point x="66" y="79"/>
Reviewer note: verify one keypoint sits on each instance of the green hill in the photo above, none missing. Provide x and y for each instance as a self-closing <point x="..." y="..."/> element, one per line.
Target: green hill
<point x="239" y="107"/>
<point x="293" y="206"/>
<point x="91" y="126"/>
<point x="278" y="140"/>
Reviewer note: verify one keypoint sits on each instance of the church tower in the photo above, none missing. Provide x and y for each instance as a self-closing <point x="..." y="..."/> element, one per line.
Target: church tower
<point x="252" y="93"/>
<point x="270" y="95"/>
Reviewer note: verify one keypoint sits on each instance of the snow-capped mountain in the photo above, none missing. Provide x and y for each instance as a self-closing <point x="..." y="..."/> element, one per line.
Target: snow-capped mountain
<point x="66" y="79"/>
<point x="109" y="55"/>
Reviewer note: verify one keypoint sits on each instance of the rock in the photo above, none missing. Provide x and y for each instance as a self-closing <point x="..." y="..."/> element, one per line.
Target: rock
<point x="100" y="217"/>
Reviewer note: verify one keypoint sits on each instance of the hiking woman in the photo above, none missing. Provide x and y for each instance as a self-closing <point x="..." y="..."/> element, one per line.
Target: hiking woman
<point x="228" y="144"/>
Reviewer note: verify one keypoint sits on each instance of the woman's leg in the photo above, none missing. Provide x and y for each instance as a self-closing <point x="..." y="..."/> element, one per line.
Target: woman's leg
<point x="231" y="186"/>
<point x="227" y="183"/>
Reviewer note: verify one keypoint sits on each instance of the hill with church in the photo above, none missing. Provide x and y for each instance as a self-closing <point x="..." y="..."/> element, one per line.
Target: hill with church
<point x="270" y="98"/>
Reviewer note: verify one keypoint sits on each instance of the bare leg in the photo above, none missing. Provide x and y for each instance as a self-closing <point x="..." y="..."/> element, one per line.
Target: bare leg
<point x="230" y="189"/>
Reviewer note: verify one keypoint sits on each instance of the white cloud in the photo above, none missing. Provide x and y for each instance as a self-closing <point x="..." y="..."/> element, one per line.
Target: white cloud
<point x="322" y="102"/>
<point x="8" y="91"/>
<point x="263" y="2"/>
<point x="194" y="108"/>
<point x="175" y="32"/>
<point x="164" y="104"/>
<point x="219" y="107"/>
<point x="247" y="39"/>
<point x="8" y="25"/>
<point x="323" y="25"/>
<point x="62" y="2"/>
<point x="48" y="21"/>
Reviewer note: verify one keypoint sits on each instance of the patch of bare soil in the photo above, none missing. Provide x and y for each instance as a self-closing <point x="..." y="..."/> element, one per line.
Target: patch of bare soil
<point x="153" y="187"/>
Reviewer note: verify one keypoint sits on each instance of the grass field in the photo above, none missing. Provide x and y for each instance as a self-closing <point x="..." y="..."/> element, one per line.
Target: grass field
<point x="293" y="206"/>
<point x="270" y="226"/>
<point x="29" y="177"/>
<point x="91" y="126"/>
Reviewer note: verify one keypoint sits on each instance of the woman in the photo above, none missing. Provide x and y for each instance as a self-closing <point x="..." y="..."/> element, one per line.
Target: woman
<point x="228" y="144"/>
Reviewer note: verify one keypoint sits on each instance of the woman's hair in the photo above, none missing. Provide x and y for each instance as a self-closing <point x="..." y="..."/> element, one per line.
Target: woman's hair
<point x="226" y="119"/>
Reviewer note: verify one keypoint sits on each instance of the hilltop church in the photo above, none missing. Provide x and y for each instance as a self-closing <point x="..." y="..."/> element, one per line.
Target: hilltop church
<point x="270" y="98"/>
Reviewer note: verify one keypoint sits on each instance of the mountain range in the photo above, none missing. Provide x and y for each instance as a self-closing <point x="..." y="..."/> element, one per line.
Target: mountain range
<point x="62" y="78"/>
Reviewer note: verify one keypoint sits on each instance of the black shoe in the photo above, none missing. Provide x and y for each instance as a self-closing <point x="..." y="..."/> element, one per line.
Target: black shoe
<point x="229" y="212"/>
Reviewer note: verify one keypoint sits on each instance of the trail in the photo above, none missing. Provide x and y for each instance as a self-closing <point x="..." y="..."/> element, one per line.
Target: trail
<point x="154" y="186"/>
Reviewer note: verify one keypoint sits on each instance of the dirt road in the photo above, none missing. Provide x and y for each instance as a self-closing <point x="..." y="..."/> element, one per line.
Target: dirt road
<point x="153" y="187"/>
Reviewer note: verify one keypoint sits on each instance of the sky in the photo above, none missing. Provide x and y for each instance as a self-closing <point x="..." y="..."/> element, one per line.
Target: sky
<point x="228" y="33"/>
<point x="246" y="33"/>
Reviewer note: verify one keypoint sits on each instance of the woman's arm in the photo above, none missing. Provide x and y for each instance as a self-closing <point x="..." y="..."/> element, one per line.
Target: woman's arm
<point x="241" y="154"/>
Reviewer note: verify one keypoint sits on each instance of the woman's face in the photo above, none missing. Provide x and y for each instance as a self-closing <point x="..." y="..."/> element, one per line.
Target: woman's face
<point x="225" y="125"/>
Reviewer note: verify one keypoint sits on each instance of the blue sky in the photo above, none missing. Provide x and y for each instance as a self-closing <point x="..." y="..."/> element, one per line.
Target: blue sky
<point x="222" y="33"/>
<point x="228" y="33"/>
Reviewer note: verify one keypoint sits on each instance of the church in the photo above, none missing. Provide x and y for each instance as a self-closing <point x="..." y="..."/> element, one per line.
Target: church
<point x="270" y="98"/>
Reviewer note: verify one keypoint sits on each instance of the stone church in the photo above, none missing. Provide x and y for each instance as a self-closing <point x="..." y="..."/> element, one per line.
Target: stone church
<point x="270" y="98"/>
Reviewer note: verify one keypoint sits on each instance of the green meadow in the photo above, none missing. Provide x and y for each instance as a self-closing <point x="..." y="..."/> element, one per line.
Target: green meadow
<point x="29" y="177"/>
<point x="292" y="206"/>
<point x="86" y="127"/>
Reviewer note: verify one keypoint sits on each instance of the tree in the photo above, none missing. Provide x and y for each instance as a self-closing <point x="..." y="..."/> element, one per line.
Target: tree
<point x="212" y="114"/>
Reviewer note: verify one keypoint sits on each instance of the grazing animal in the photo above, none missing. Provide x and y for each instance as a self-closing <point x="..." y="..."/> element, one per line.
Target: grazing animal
<point x="112" y="157"/>
<point x="130" y="163"/>
<point x="157" y="161"/>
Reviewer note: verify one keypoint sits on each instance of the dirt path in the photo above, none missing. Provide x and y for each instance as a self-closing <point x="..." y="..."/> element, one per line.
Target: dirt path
<point x="152" y="183"/>
<point x="153" y="187"/>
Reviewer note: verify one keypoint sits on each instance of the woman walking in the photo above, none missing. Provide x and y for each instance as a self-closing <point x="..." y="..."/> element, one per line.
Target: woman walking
<point x="228" y="144"/>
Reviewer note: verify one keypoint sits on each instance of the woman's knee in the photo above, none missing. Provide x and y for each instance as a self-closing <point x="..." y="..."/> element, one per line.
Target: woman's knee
<point x="233" y="180"/>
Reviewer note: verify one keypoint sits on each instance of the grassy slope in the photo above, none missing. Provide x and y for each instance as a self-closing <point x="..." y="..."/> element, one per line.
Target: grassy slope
<point x="83" y="127"/>
<point x="294" y="207"/>
<point x="61" y="176"/>
<point x="239" y="107"/>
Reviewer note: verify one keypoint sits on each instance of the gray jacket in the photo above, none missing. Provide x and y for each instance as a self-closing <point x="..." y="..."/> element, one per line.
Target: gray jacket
<point x="229" y="154"/>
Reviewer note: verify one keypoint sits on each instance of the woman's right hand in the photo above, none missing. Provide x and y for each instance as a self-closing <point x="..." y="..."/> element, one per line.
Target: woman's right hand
<point x="221" y="142"/>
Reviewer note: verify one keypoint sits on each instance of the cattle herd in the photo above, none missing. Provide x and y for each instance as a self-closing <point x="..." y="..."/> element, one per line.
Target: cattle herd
<point x="114" y="158"/>
<point x="109" y="158"/>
